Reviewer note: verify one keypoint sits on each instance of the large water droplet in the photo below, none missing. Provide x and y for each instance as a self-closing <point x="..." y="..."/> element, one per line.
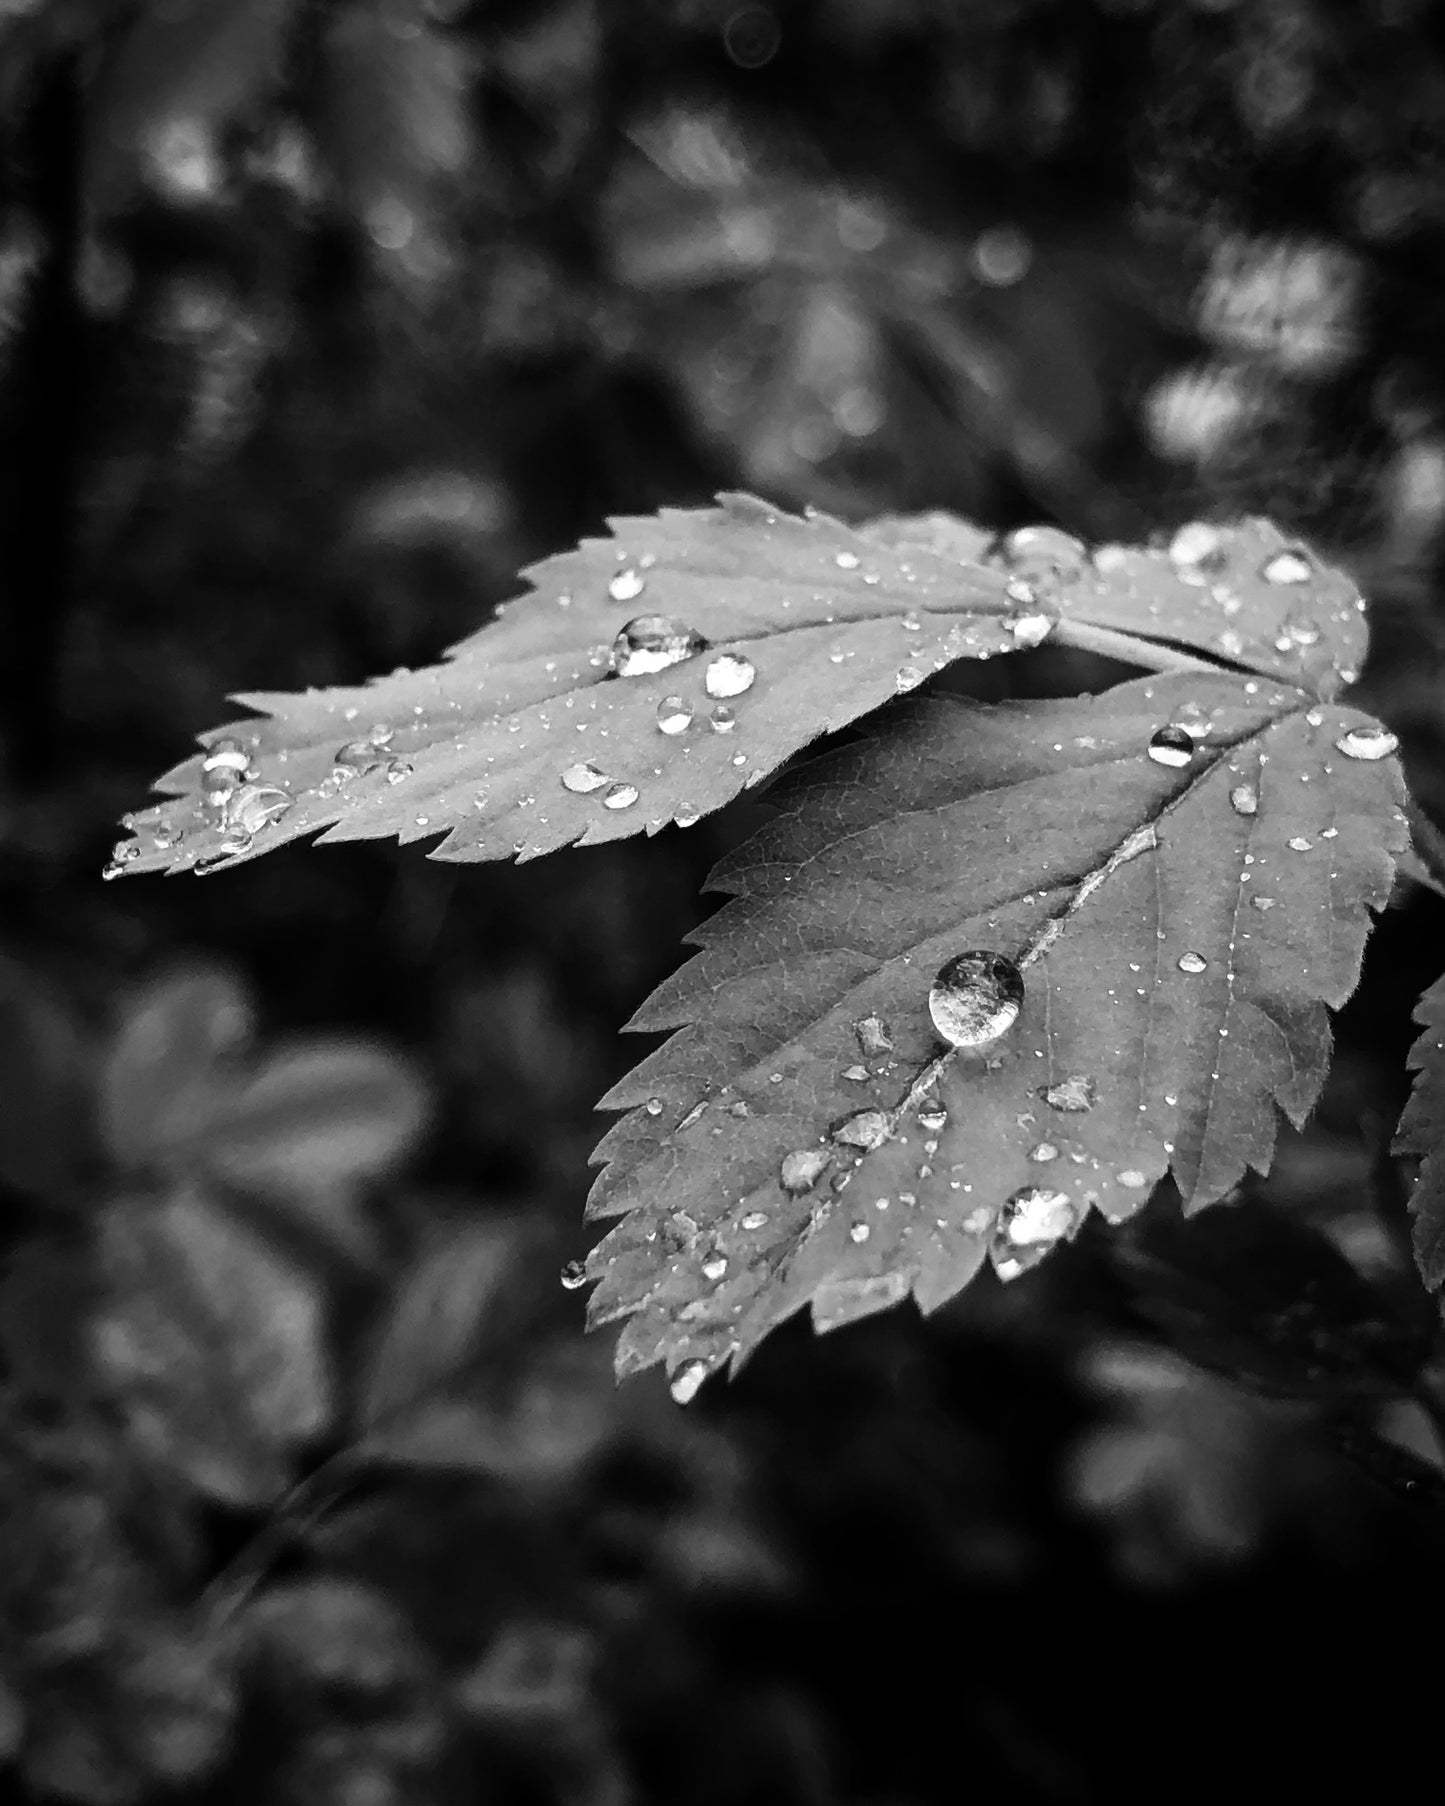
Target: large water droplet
<point x="1367" y="743"/>
<point x="687" y="1381"/>
<point x="1244" y="799"/>
<point x="674" y="715"/>
<point x="256" y="806"/>
<point x="1172" y="745"/>
<point x="866" y="1129"/>
<point x="583" y="777"/>
<point x="802" y="1169"/>
<point x="873" y="1036"/>
<point x="1193" y="963"/>
<point x="1031" y="1223"/>
<point x="1072" y="1095"/>
<point x="651" y="643"/>
<point x="1287" y="567"/>
<point x="627" y="585"/>
<point x="574" y="1274"/>
<point x="729" y="674"/>
<point x="975" y="998"/>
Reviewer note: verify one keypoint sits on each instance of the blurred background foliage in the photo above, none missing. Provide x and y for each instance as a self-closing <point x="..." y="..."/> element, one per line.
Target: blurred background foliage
<point x="318" y="320"/>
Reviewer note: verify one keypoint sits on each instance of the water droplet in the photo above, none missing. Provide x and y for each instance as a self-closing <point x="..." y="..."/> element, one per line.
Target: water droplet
<point x="1298" y="631"/>
<point x="255" y="806"/>
<point x="653" y="1106"/>
<point x="674" y="715"/>
<point x="226" y="755"/>
<point x="1044" y="1152"/>
<point x="911" y="622"/>
<point x="1231" y="644"/>
<point x="715" y="1267"/>
<point x="620" y="796"/>
<point x="846" y="561"/>
<point x="583" y="777"/>
<point x="1172" y="745"/>
<point x="1261" y="903"/>
<point x="1287" y="567"/>
<point x="858" y="1233"/>
<point x="167" y="835"/>
<point x="722" y="720"/>
<point x="1072" y="1095"/>
<point x="651" y="643"/>
<point x="802" y="1169"/>
<point x="933" y="1119"/>
<point x="1367" y="743"/>
<point x="574" y="1274"/>
<point x="1033" y="1221"/>
<point x="1298" y="844"/>
<point x="858" y="1074"/>
<point x="873" y="1036"/>
<point x="399" y="770"/>
<point x="1192" y="962"/>
<point x="975" y="998"/>
<point x="1133" y="1179"/>
<point x="687" y="818"/>
<point x="1244" y="799"/>
<point x="755" y="1219"/>
<point x="907" y="677"/>
<point x="1198" y="546"/>
<point x="627" y="585"/>
<point x="693" y="1116"/>
<point x="687" y="1381"/>
<point x="355" y="759"/>
<point x="1028" y="630"/>
<point x="729" y="674"/>
<point x="867" y="1129"/>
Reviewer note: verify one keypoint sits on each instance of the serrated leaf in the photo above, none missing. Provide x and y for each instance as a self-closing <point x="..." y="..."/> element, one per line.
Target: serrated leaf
<point x="1043" y="831"/>
<point x="212" y="1343"/>
<point x="526" y="740"/>
<point x="1422" y="1133"/>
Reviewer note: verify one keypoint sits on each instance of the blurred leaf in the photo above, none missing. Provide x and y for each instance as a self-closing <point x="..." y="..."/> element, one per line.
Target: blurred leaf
<point x="316" y="1118"/>
<point x="212" y="1344"/>
<point x="44" y="1139"/>
<point x="1251" y="1293"/>
<point x="166" y="1064"/>
<point x="1422" y="1133"/>
<point x="764" y="1165"/>
<point x="436" y="1318"/>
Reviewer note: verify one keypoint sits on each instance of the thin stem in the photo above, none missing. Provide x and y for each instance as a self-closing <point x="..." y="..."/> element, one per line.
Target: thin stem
<point x="1150" y="655"/>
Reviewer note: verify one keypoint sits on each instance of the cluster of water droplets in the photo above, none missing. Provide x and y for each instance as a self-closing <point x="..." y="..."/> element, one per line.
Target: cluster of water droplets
<point x="368" y="753"/>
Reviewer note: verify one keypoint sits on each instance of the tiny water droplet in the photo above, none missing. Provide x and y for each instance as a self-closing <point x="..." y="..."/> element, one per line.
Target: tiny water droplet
<point x="674" y="715"/>
<point x="1231" y="644"/>
<point x="802" y="1169"/>
<point x="846" y="561"/>
<point x="873" y="1036"/>
<point x="1043" y="1152"/>
<point x="1287" y="567"/>
<point x="911" y="622"/>
<point x="1244" y="799"/>
<point x="653" y="1106"/>
<point x="255" y="806"/>
<point x="574" y="1274"/>
<point x="620" y="796"/>
<point x="687" y="1381"/>
<point x="355" y="759"/>
<point x="1028" y="630"/>
<point x="627" y="585"/>
<point x="715" y="1267"/>
<point x="858" y="1233"/>
<point x="1072" y="1095"/>
<point x="729" y="674"/>
<point x="583" y="777"/>
<point x="933" y="1119"/>
<point x="687" y="818"/>
<point x="1197" y="545"/>
<point x="1367" y="743"/>
<point x="226" y="755"/>
<point x="1261" y="903"/>
<point x="1172" y="745"/>
<point x="867" y="1129"/>
<point x="650" y="643"/>
<point x="1298" y="844"/>
<point x="399" y="770"/>
<point x="755" y="1219"/>
<point x="1032" y="1221"/>
<point x="1192" y="962"/>
<point x="907" y="677"/>
<point x="722" y="720"/>
<point x="975" y="998"/>
<point x="858" y="1074"/>
<point x="1133" y="1179"/>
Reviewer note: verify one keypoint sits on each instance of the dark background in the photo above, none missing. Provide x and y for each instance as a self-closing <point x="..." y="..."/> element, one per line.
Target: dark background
<point x="317" y="323"/>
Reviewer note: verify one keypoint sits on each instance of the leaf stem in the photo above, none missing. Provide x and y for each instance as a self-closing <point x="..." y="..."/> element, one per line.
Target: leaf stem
<point x="1128" y="648"/>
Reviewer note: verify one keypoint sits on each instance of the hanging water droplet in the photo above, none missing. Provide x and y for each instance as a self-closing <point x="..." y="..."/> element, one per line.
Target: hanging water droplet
<point x="1172" y="745"/>
<point x="1028" y="630"/>
<point x="399" y="770"/>
<point x="755" y="1219"/>
<point x="651" y="643"/>
<point x="1072" y="1095"/>
<point x="1031" y="1223"/>
<point x="722" y="721"/>
<point x="866" y="1129"/>
<point x="1192" y="963"/>
<point x="1244" y="799"/>
<point x="933" y="1119"/>
<point x="1367" y="743"/>
<point x="873" y="1036"/>
<point x="907" y="677"/>
<point x="620" y="796"/>
<point x="1261" y="903"/>
<point x="1287" y="567"/>
<point x="674" y="715"/>
<point x="583" y="777"/>
<point x="802" y="1169"/>
<point x="1298" y="844"/>
<point x="686" y="1382"/>
<point x="729" y="674"/>
<point x="627" y="585"/>
<point x="255" y="806"/>
<point x="574" y="1274"/>
<point x="687" y="818"/>
<point x="975" y="998"/>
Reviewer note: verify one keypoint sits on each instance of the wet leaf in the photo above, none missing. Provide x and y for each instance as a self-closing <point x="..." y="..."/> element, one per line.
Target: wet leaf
<point x="212" y="1344"/>
<point x="1179" y="925"/>
<point x="1422" y="1133"/>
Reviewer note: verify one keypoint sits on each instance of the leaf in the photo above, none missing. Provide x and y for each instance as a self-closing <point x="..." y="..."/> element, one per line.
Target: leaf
<point x="1179" y="931"/>
<point x="212" y="1344"/>
<point x="493" y="748"/>
<point x="1422" y="1134"/>
<point x="43" y="1139"/>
